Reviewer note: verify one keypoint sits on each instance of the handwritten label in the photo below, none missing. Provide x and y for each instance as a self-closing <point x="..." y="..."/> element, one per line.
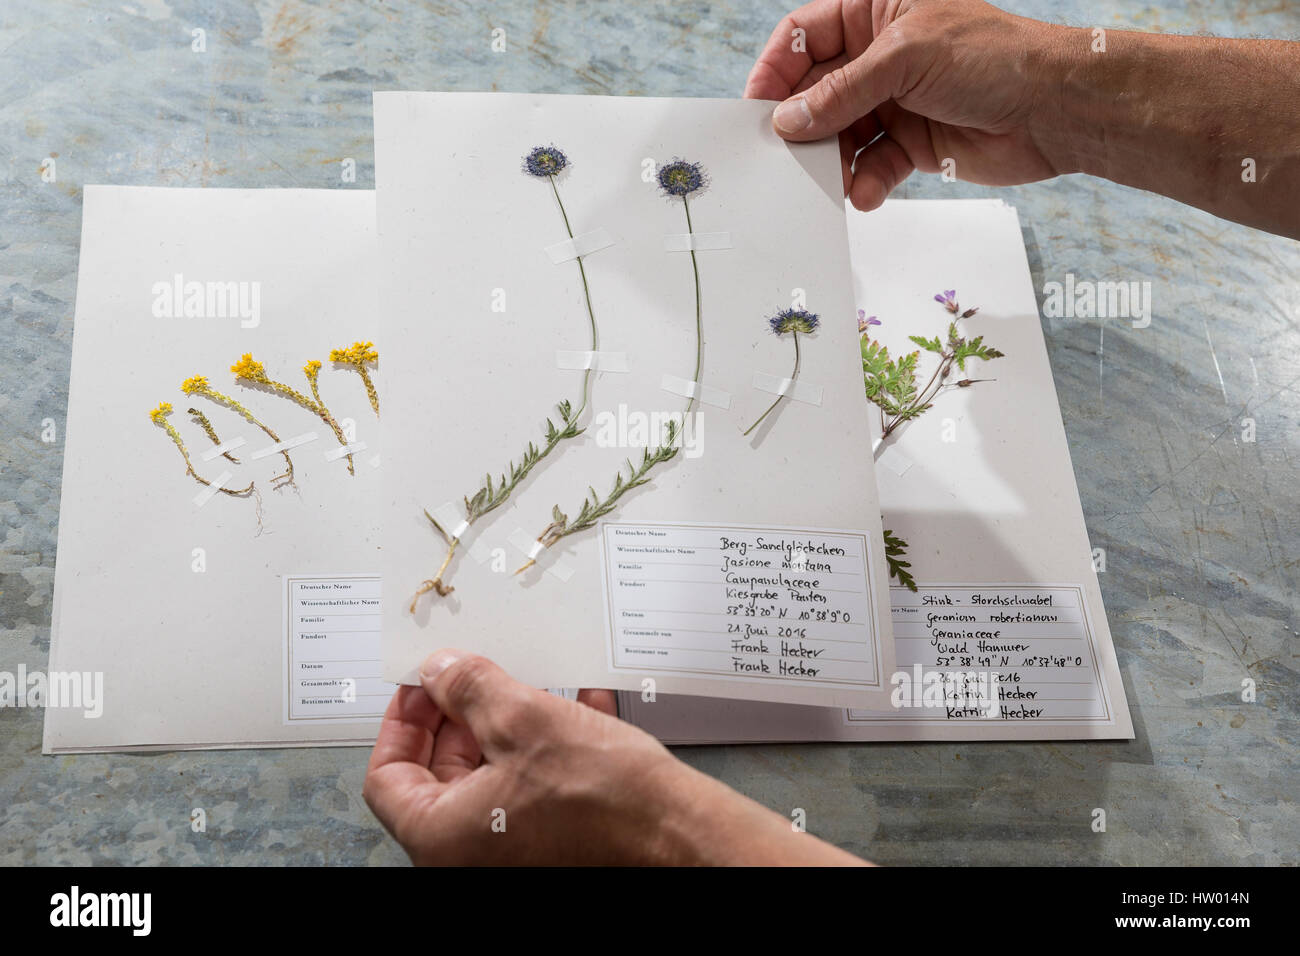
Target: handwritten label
<point x="1011" y="653"/>
<point x="740" y="603"/>
<point x="332" y="648"/>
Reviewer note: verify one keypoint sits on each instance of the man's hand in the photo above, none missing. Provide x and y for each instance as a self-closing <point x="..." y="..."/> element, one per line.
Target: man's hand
<point x="942" y="80"/>
<point x="476" y="768"/>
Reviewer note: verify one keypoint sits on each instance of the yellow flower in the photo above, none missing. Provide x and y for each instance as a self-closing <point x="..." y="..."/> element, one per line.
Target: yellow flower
<point x="247" y="368"/>
<point x="311" y="368"/>
<point x="195" y="383"/>
<point x="356" y="353"/>
<point x="162" y="411"/>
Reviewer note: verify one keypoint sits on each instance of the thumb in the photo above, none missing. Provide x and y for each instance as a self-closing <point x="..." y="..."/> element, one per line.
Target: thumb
<point x="472" y="691"/>
<point x="842" y="96"/>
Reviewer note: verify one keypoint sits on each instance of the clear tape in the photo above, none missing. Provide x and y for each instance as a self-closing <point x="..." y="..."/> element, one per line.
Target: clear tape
<point x="580" y="245"/>
<point x="597" y="361"/>
<point x="697" y="242"/>
<point x="218" y="450"/>
<point x="532" y="548"/>
<point x="374" y="462"/>
<point x="794" y="389"/>
<point x="285" y="445"/>
<point x="208" y="492"/>
<point x="450" y="519"/>
<point x="336" y="453"/>
<point x="688" y="389"/>
<point x="894" y="460"/>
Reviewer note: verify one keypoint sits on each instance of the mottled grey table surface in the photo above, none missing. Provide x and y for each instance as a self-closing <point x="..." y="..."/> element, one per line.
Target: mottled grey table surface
<point x="1201" y="526"/>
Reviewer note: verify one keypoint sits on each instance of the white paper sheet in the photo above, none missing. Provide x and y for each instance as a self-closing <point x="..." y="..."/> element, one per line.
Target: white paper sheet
<point x="480" y="308"/>
<point x="181" y="606"/>
<point x="982" y="490"/>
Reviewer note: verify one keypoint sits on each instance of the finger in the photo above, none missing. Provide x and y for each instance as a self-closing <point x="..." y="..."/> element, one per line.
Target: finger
<point x="398" y="780"/>
<point x="473" y="691"/>
<point x="813" y="33"/>
<point x="601" y="700"/>
<point x="455" y="753"/>
<point x="878" y="171"/>
<point x="407" y="731"/>
<point x="844" y="95"/>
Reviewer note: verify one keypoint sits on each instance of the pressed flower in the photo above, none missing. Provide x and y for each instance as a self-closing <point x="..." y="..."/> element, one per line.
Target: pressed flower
<point x="866" y="321"/>
<point x="794" y="322"/>
<point x="159" y="417"/>
<point x="357" y="356"/>
<point x="199" y="385"/>
<point x="678" y="179"/>
<point x="543" y="161"/>
<point x="947" y="299"/>
<point x="253" y="371"/>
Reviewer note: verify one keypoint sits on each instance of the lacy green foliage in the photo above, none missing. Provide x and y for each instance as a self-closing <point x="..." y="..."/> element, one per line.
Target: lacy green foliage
<point x="594" y="507"/>
<point x="895" y="549"/>
<point x="891" y="382"/>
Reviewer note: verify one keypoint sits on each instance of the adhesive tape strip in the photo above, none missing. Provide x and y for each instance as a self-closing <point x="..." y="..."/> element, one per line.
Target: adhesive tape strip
<point x="894" y="460"/>
<point x="697" y="242"/>
<point x="599" y="361"/>
<point x="450" y="519"/>
<point x="210" y="491"/>
<point x="284" y="445"/>
<point x="219" y="450"/>
<point x="794" y="389"/>
<point x="532" y="548"/>
<point x="578" y="246"/>
<point x="688" y="389"/>
<point x="337" y="453"/>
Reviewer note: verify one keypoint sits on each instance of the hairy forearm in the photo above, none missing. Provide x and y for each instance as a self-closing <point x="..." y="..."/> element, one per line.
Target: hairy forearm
<point x="1210" y="122"/>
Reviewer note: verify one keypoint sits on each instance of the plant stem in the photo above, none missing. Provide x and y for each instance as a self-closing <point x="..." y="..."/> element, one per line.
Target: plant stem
<point x="793" y="375"/>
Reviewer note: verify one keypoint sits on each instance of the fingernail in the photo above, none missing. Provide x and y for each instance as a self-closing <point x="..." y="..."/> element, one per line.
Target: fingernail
<point x="439" y="661"/>
<point x="792" y="116"/>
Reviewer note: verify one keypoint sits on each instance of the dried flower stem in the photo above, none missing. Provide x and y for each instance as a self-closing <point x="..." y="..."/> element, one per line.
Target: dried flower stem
<point x="594" y="507"/>
<point x="793" y="375"/>
<point x="485" y="499"/>
<point x="198" y="385"/>
<point x="251" y="371"/>
<point x="159" y="417"/>
<point x="356" y="356"/>
<point x="211" y="432"/>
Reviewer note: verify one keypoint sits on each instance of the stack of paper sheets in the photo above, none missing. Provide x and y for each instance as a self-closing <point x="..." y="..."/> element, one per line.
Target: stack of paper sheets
<point x="632" y="268"/>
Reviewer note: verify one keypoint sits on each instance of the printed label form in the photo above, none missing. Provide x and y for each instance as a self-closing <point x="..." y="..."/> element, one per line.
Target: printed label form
<point x="740" y="603"/>
<point x="1017" y="653"/>
<point x="332" y="648"/>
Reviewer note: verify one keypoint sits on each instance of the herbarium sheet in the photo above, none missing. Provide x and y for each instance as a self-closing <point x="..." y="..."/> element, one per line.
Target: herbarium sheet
<point x="625" y="439"/>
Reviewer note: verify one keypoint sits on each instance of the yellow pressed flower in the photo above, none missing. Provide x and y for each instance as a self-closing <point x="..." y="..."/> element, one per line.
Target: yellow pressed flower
<point x="247" y="368"/>
<point x="311" y="368"/>
<point x="357" y="355"/>
<point x="195" y="383"/>
<point x="162" y="411"/>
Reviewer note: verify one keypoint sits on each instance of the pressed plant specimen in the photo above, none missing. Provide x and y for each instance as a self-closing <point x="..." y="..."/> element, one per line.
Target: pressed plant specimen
<point x="895" y="550"/>
<point x="202" y="421"/>
<point x="249" y="370"/>
<point x="357" y="356"/>
<point x="678" y="179"/>
<point x="199" y="385"/>
<point x="793" y="321"/>
<point x="159" y="417"/>
<point x="892" y="383"/>
<point x="541" y="162"/>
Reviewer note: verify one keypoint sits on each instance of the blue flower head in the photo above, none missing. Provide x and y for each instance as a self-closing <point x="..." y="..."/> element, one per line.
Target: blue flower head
<point x="681" y="178"/>
<point x="793" y="320"/>
<point x="543" y="161"/>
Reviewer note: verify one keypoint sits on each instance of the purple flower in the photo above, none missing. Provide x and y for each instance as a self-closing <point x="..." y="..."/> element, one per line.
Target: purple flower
<point x="866" y="321"/>
<point x="681" y="178"/>
<point x="948" y="300"/>
<point x="543" y="161"/>
<point x="793" y="320"/>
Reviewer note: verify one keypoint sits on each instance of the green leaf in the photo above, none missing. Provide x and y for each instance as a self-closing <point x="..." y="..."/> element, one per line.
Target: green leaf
<point x="895" y="548"/>
<point x="930" y="345"/>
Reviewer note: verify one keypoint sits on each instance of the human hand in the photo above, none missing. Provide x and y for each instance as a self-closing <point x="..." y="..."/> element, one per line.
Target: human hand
<point x="917" y="83"/>
<point x="474" y="767"/>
